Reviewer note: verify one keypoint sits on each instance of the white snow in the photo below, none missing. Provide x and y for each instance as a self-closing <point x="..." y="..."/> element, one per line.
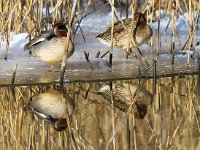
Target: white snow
<point x="91" y="26"/>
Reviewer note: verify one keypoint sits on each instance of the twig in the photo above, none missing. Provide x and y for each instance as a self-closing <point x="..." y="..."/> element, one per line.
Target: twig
<point x="196" y="118"/>
<point x="134" y="134"/>
<point x="139" y="74"/>
<point x="80" y="30"/>
<point x="113" y="118"/>
<point x="62" y="76"/>
<point x="87" y="59"/>
<point x="14" y="75"/>
<point x="110" y="59"/>
<point x="165" y="32"/>
<point x="184" y="46"/>
<point x="62" y="72"/>
<point x="83" y="13"/>
<point x="79" y="22"/>
<point x="154" y="75"/>
<point x="173" y="35"/>
<point x="122" y="121"/>
<point x="128" y="133"/>
<point x="153" y="132"/>
<point x="142" y="59"/>
<point x="159" y="43"/>
<point x="88" y="90"/>
<point x="97" y="55"/>
<point x="111" y="36"/>
<point x="111" y="85"/>
<point x="104" y="54"/>
<point x="176" y="131"/>
<point x="12" y="83"/>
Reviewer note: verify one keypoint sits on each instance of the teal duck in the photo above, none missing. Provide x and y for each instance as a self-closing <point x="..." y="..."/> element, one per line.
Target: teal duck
<point x="51" y="107"/>
<point x="50" y="45"/>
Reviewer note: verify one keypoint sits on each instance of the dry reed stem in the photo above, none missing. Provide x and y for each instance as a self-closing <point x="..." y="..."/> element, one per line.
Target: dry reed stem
<point x="173" y="34"/>
<point x="154" y="76"/>
<point x="176" y="130"/>
<point x="138" y="53"/>
<point x="134" y="125"/>
<point x="159" y="40"/>
<point x="151" y="20"/>
<point x="25" y="16"/>
<point x="196" y="118"/>
<point x="112" y="31"/>
<point x="9" y="17"/>
<point x="95" y="118"/>
<point x="122" y="121"/>
<point x="111" y="85"/>
<point x="133" y="14"/>
<point x="41" y="15"/>
<point x="62" y="76"/>
<point x="12" y="93"/>
<point x="165" y="35"/>
<point x="82" y="16"/>
<point x="153" y="133"/>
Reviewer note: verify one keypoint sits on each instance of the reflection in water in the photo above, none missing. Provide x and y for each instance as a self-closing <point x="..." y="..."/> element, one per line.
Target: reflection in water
<point x="52" y="107"/>
<point x="129" y="95"/>
<point x="173" y="124"/>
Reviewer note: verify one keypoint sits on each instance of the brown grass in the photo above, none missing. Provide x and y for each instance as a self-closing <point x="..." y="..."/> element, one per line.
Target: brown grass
<point x="166" y="125"/>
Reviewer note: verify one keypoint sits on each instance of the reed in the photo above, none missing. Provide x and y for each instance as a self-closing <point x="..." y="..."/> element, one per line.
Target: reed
<point x="172" y="116"/>
<point x="21" y="129"/>
<point x="29" y="16"/>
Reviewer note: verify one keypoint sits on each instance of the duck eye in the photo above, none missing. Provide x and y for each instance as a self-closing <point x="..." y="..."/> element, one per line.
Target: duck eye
<point x="62" y="27"/>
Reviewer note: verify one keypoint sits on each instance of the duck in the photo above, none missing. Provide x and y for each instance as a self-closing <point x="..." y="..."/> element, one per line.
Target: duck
<point x="50" y="45"/>
<point x="125" y="93"/>
<point x="51" y="107"/>
<point x="140" y="33"/>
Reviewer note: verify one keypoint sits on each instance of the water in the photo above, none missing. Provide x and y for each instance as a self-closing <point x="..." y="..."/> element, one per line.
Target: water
<point x="171" y="120"/>
<point x="31" y="71"/>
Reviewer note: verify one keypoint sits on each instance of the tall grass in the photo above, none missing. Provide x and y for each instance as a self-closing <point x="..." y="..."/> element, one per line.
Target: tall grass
<point x="91" y="122"/>
<point x="36" y="15"/>
<point x="174" y="113"/>
<point x="31" y="16"/>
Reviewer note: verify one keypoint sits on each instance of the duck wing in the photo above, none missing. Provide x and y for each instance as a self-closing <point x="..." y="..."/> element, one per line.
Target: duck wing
<point x="119" y="28"/>
<point x="46" y="35"/>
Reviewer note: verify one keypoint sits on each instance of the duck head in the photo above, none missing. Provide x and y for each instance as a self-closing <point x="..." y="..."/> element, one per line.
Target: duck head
<point x="59" y="29"/>
<point x="60" y="124"/>
<point x="140" y="18"/>
<point x="140" y="110"/>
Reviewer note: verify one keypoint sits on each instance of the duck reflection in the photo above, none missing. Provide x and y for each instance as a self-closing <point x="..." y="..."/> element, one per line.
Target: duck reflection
<point x="52" y="107"/>
<point x="125" y="94"/>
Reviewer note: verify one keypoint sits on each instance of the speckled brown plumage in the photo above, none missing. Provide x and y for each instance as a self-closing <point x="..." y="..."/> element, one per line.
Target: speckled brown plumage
<point x="126" y="94"/>
<point x="139" y="30"/>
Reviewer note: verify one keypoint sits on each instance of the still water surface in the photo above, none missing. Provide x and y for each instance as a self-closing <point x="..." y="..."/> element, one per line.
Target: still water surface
<point x="171" y="122"/>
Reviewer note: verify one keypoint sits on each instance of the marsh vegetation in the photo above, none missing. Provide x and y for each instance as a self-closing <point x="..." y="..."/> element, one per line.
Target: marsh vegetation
<point x="143" y="107"/>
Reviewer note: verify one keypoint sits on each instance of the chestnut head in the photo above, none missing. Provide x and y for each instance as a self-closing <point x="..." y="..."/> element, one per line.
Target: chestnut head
<point x="60" y="124"/>
<point x="59" y="29"/>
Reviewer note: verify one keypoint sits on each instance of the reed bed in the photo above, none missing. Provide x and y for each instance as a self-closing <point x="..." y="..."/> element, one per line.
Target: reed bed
<point x="172" y="120"/>
<point x="35" y="16"/>
<point x="172" y="124"/>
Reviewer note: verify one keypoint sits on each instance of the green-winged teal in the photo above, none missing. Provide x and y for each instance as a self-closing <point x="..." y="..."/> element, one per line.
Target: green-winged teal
<point x="140" y="33"/>
<point x="50" y="45"/>
<point x="51" y="106"/>
<point x="124" y="94"/>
